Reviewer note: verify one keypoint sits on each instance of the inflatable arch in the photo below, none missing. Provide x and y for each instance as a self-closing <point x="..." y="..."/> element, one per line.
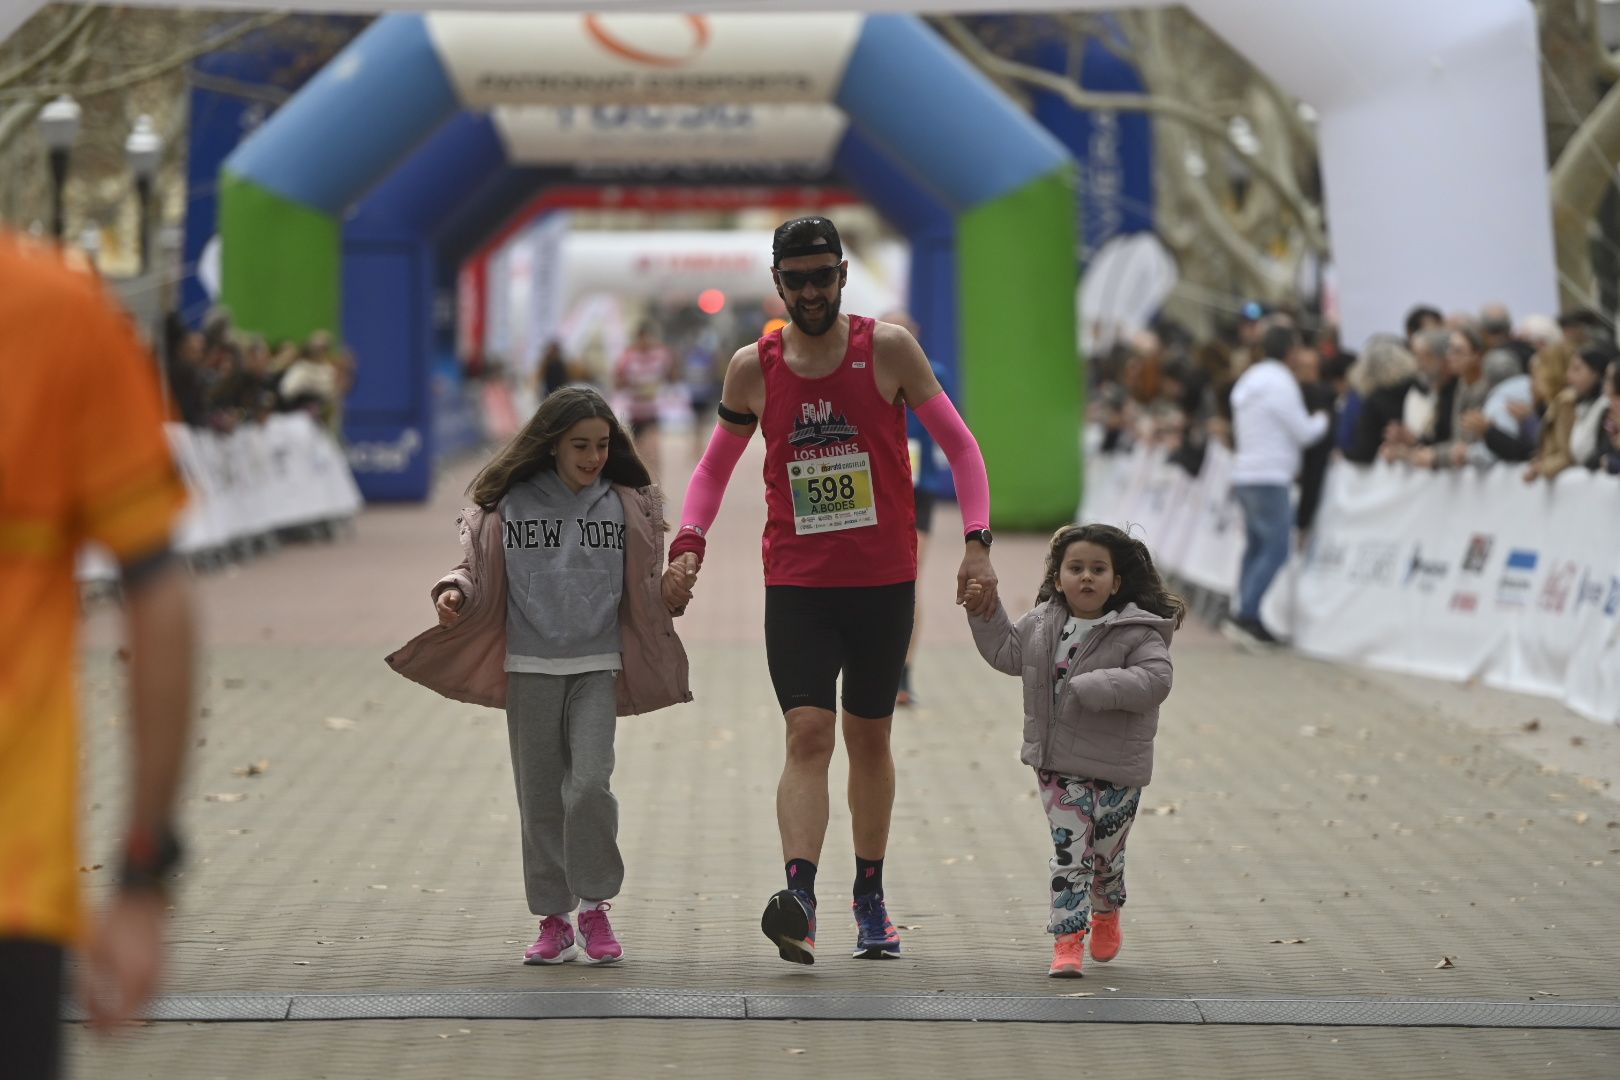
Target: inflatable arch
<point x="957" y="140"/>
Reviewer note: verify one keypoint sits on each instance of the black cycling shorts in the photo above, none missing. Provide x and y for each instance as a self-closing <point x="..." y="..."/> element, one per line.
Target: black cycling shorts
<point x="814" y="635"/>
<point x="30" y="1009"/>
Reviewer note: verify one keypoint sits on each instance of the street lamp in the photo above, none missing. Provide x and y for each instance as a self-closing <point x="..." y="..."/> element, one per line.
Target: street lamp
<point x="144" y="152"/>
<point x="59" y="124"/>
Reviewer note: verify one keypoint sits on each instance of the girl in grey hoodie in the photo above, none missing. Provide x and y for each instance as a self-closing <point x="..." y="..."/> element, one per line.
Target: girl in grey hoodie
<point x="1094" y="655"/>
<point x="568" y="605"/>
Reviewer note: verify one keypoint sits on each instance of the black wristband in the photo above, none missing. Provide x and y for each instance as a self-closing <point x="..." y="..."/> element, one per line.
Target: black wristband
<point x="150" y="859"/>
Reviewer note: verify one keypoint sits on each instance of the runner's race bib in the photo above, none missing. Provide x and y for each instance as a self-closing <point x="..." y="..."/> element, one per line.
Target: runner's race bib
<point x="833" y="493"/>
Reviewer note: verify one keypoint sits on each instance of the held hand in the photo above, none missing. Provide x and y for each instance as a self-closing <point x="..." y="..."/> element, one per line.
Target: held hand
<point x="448" y="605"/>
<point x="125" y="959"/>
<point x="973" y="595"/>
<point x="976" y="568"/>
<point x="1474" y="422"/>
<point x="1459" y="455"/>
<point x="679" y="577"/>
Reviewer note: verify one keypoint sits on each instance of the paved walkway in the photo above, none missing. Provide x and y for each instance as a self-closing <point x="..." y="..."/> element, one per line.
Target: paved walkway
<point x="1315" y="835"/>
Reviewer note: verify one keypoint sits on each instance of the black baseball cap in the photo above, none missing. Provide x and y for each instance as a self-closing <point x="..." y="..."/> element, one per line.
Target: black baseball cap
<point x="805" y="236"/>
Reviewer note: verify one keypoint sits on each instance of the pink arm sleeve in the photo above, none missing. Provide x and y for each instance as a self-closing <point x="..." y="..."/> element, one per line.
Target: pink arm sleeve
<point x="944" y="423"/>
<point x="705" y="490"/>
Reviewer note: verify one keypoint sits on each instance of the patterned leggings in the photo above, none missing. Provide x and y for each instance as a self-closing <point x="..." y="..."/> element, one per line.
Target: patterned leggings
<point x="1090" y="820"/>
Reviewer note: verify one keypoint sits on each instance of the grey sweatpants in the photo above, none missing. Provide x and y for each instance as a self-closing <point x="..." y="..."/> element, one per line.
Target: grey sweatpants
<point x="561" y="730"/>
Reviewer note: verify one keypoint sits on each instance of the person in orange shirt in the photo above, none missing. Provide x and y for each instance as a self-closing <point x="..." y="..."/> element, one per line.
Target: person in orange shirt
<point x="83" y="459"/>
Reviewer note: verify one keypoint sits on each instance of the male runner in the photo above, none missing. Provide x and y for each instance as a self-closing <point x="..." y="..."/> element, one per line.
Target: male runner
<point x="830" y="393"/>
<point x="82" y="458"/>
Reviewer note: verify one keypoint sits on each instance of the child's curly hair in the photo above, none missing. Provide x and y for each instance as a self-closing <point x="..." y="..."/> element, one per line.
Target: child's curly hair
<point x="1140" y="583"/>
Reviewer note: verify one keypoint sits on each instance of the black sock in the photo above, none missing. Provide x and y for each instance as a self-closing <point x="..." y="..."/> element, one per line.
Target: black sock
<point x="868" y="876"/>
<point x="801" y="874"/>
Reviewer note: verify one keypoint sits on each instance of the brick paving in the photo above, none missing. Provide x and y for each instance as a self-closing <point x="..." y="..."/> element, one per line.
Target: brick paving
<point x="1294" y="802"/>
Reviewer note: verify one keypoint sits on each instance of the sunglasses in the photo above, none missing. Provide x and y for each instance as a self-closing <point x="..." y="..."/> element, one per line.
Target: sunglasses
<point x="821" y="277"/>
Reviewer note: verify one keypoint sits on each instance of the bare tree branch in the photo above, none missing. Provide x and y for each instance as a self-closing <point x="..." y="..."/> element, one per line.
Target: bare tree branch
<point x="149" y="71"/>
<point x="1167" y="108"/>
<point x="16" y="119"/>
<point x="1607" y="63"/>
<point x="48" y="52"/>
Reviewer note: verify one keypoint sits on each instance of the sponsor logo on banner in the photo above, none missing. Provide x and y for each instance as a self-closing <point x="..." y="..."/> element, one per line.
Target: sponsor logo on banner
<point x="385" y="457"/>
<point x="1590" y="590"/>
<point x="1478" y="553"/>
<point x="1326" y="556"/>
<point x="1465" y="602"/>
<point x="1556" y="588"/>
<point x="1426" y="574"/>
<point x="1513" y="589"/>
<point x="636" y="58"/>
<point x="1376" y="562"/>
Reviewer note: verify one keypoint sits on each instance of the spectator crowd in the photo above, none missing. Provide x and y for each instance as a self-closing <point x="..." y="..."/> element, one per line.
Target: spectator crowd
<point x="220" y="377"/>
<point x="1464" y="391"/>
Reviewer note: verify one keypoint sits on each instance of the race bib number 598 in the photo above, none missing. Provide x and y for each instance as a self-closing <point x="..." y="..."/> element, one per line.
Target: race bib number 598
<point x="833" y="493"/>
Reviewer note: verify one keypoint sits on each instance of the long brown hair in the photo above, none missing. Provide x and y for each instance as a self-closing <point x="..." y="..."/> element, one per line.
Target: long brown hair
<point x="1139" y="580"/>
<point x="533" y="449"/>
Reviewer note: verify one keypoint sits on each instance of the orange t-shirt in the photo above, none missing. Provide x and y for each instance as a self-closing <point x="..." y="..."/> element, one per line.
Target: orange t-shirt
<point x="83" y="457"/>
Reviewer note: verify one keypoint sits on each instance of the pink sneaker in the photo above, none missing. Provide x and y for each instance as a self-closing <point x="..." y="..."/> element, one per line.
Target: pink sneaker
<point x="556" y="942"/>
<point x="601" y="947"/>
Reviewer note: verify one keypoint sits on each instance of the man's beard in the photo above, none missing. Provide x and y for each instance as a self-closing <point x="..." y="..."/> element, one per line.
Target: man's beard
<point x="820" y="326"/>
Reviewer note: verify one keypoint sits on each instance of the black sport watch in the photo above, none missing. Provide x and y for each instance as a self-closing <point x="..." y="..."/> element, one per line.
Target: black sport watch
<point x="981" y="535"/>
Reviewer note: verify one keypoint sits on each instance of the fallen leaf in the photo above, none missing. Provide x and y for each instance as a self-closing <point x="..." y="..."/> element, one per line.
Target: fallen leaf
<point x="1083" y="993"/>
<point x="225" y="796"/>
<point x="1581" y="817"/>
<point x="1531" y="725"/>
<point x="339" y="723"/>
<point x="1577" y="740"/>
<point x="233" y="683"/>
<point x="255" y="768"/>
<point x="427" y="890"/>
<point x="951" y="861"/>
<point x="1445" y="962"/>
<point x="301" y="963"/>
<point x="384" y="887"/>
<point x="1288" y="941"/>
<point x="794" y="1050"/>
<point x="1165" y="810"/>
<point x="88" y="869"/>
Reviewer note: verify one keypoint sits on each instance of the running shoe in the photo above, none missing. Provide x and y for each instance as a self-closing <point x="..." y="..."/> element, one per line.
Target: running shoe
<point x="1105" y="936"/>
<point x="790" y="921"/>
<point x="601" y="947"/>
<point x="876" y="938"/>
<point x="1068" y="956"/>
<point x="555" y="944"/>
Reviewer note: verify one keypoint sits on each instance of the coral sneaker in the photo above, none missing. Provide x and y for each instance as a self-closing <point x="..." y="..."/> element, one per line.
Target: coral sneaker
<point x="1105" y="936"/>
<point x="601" y="947"/>
<point x="1068" y="956"/>
<point x="555" y="944"/>
<point x="790" y="922"/>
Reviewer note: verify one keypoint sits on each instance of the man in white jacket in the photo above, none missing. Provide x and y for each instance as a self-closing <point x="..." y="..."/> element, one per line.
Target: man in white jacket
<point x="1271" y="430"/>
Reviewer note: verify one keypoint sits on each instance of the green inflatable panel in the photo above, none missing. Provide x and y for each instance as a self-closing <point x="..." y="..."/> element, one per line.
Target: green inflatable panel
<point x="1022" y="378"/>
<point x="281" y="269"/>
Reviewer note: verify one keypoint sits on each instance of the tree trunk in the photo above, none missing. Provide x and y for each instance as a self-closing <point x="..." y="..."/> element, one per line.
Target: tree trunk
<point x="1580" y="180"/>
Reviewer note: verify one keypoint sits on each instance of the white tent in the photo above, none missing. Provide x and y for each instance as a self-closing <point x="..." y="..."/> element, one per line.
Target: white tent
<point x="1430" y="125"/>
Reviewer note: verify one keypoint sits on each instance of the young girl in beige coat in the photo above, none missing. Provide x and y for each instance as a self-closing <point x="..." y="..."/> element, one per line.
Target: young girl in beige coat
<point x="556" y="615"/>
<point x="1094" y="655"/>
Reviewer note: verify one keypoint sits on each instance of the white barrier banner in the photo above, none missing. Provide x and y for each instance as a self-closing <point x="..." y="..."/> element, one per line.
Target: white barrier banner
<point x="260" y="478"/>
<point x="1451" y="575"/>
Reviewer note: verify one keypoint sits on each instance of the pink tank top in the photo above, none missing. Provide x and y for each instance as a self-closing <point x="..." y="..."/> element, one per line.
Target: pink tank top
<point x="840" y="510"/>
